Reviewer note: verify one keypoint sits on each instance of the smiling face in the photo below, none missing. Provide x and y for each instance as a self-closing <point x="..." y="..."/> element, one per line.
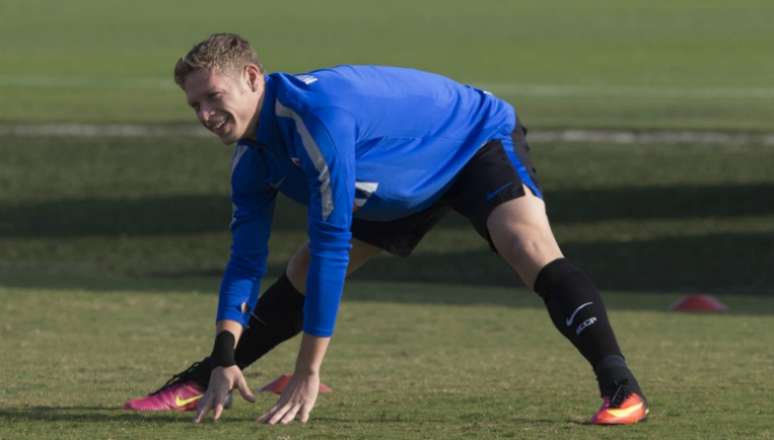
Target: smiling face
<point x="226" y="103"/>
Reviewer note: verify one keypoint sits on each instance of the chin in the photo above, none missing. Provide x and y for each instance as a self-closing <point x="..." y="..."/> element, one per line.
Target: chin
<point x="229" y="137"/>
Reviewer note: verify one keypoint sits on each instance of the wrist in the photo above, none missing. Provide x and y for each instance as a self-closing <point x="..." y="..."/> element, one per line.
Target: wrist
<point x="311" y="354"/>
<point x="307" y="370"/>
<point x="223" y="349"/>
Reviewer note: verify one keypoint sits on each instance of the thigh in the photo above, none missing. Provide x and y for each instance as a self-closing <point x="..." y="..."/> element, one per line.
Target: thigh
<point x="298" y="265"/>
<point x="500" y="172"/>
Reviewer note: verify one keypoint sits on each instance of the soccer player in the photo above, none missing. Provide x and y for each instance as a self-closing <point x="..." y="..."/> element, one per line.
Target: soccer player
<point x="378" y="155"/>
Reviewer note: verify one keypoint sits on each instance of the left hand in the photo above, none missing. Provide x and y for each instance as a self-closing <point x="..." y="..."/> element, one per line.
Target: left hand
<point x="296" y="402"/>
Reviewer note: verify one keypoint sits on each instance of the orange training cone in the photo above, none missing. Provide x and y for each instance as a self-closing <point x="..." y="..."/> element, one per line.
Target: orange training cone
<point x="277" y="386"/>
<point x="699" y="302"/>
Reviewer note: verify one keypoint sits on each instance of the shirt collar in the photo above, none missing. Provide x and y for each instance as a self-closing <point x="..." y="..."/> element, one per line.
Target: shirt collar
<point x="267" y="131"/>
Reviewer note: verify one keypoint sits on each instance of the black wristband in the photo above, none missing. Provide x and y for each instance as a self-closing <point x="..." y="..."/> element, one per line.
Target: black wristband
<point x="223" y="349"/>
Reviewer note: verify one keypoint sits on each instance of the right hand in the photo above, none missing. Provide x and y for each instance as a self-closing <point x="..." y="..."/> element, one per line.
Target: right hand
<point x="222" y="381"/>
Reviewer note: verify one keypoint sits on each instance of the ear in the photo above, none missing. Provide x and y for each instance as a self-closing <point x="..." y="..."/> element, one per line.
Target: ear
<point x="253" y="76"/>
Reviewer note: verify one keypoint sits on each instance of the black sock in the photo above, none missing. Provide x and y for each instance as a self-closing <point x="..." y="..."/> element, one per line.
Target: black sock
<point x="612" y="372"/>
<point x="277" y="317"/>
<point x="577" y="311"/>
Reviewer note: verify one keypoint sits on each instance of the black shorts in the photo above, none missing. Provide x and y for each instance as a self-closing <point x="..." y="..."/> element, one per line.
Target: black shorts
<point x="496" y="174"/>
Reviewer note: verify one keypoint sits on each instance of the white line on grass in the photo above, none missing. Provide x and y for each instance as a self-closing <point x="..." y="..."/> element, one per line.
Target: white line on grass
<point x="597" y="136"/>
<point x="500" y="88"/>
<point x="626" y="137"/>
<point x="627" y="91"/>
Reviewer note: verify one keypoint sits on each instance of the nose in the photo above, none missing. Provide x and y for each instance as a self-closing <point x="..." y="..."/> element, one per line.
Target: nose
<point x="203" y="115"/>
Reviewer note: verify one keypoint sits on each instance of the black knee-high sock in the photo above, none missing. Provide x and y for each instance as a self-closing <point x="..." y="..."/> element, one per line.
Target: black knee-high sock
<point x="278" y="316"/>
<point x="577" y="311"/>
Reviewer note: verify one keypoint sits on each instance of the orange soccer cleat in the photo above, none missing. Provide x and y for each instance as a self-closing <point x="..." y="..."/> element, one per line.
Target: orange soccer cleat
<point x="623" y="408"/>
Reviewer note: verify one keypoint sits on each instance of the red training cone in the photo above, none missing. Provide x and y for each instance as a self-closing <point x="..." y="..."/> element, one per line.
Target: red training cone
<point x="699" y="302"/>
<point x="277" y="386"/>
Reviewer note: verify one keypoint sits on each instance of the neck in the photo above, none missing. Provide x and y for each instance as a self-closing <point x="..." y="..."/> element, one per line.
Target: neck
<point x="252" y="129"/>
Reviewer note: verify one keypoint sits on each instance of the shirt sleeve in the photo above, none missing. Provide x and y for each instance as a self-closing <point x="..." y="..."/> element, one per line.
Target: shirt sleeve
<point x="327" y="154"/>
<point x="253" y="204"/>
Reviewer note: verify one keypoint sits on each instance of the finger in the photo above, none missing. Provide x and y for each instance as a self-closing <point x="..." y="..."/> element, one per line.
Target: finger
<point x="305" y="411"/>
<point x="244" y="390"/>
<point x="279" y="414"/>
<point x="218" y="411"/>
<point x="290" y="415"/>
<point x="267" y="415"/>
<point x="219" y="403"/>
<point x="203" y="407"/>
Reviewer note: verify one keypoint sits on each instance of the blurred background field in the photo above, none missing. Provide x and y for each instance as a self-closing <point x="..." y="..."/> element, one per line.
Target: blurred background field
<point x="108" y="241"/>
<point x="600" y="63"/>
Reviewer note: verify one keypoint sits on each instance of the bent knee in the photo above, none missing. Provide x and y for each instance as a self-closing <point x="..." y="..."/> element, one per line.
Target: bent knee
<point x="527" y="250"/>
<point x="298" y="266"/>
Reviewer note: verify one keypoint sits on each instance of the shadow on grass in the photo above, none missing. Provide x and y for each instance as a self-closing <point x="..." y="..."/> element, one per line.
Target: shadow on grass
<point x="413" y="421"/>
<point x="76" y="414"/>
<point x="664" y="202"/>
<point x="80" y="414"/>
<point x="724" y="264"/>
<point x="711" y="262"/>
<point x="186" y="214"/>
<point x="149" y="216"/>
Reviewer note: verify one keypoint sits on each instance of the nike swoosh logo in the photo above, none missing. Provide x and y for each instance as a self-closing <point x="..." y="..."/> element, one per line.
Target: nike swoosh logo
<point x="493" y="194"/>
<point x="184" y="402"/>
<point x="624" y="412"/>
<point x="569" y="320"/>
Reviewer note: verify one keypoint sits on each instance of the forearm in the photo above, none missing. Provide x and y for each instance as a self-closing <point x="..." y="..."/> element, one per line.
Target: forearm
<point x="311" y="354"/>
<point x="328" y="263"/>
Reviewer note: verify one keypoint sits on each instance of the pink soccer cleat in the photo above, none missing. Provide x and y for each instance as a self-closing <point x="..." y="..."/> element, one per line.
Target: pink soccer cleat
<point x="181" y="396"/>
<point x="181" y="393"/>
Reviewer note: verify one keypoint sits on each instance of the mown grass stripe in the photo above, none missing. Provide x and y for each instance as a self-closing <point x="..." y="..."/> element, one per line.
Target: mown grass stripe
<point x="501" y="88"/>
<point x="569" y="135"/>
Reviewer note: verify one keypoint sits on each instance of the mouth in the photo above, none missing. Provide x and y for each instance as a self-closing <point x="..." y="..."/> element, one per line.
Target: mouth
<point x="218" y="124"/>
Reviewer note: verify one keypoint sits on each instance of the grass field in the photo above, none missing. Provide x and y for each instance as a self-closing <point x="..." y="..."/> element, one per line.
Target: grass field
<point x="102" y="250"/>
<point x="408" y="361"/>
<point x="105" y="244"/>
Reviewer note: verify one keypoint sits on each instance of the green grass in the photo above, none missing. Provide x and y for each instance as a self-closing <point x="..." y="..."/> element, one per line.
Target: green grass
<point x="102" y="250"/>
<point x="601" y="63"/>
<point x="408" y="361"/>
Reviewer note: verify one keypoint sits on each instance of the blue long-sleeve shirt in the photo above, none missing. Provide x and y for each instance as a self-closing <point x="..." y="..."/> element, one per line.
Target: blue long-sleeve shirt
<point x="375" y="142"/>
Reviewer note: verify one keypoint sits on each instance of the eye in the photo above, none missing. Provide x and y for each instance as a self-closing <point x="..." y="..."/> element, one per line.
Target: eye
<point x="215" y="96"/>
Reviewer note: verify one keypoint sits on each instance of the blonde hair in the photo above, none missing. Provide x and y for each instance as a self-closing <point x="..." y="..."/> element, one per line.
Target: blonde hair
<point x="223" y="51"/>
